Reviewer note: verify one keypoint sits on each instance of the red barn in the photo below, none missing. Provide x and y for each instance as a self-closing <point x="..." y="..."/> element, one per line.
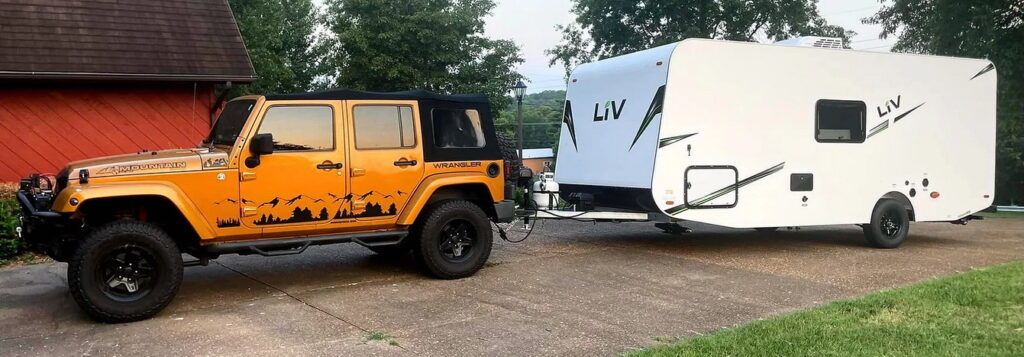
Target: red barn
<point x="89" y="78"/>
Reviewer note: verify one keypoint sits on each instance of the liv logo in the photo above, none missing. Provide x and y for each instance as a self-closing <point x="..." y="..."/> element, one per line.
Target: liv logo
<point x="890" y="106"/>
<point x="610" y="107"/>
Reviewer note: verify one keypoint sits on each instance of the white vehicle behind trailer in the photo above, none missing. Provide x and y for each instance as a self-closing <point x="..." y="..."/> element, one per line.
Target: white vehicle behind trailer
<point x="748" y="135"/>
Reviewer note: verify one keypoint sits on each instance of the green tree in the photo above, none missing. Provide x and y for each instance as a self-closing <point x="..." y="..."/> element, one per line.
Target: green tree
<point x="436" y="45"/>
<point x="992" y="29"/>
<point x="608" y="28"/>
<point x="542" y="119"/>
<point x="280" y="37"/>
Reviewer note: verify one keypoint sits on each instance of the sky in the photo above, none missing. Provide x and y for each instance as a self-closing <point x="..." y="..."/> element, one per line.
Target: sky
<point x="534" y="32"/>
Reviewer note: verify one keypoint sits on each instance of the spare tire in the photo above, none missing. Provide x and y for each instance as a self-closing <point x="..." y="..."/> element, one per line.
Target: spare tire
<point x="510" y="154"/>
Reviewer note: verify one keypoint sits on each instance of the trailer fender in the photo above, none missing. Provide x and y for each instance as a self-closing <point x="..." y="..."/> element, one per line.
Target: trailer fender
<point x="433" y="183"/>
<point x="129" y="189"/>
<point x="902" y="199"/>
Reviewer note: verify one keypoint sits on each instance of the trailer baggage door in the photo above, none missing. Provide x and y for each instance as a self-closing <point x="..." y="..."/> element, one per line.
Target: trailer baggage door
<point x="711" y="187"/>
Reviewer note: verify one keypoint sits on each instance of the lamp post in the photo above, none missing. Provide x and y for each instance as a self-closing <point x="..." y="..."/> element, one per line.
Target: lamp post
<point x="519" y="90"/>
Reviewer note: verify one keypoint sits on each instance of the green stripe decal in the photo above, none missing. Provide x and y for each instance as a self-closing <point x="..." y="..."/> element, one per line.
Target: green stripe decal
<point x="880" y="128"/>
<point x="675" y="139"/>
<point x="726" y="190"/>
<point x="657" y="105"/>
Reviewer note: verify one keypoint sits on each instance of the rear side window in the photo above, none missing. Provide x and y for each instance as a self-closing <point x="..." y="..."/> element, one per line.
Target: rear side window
<point x="300" y="128"/>
<point x="457" y="128"/>
<point x="840" y="121"/>
<point x="384" y="127"/>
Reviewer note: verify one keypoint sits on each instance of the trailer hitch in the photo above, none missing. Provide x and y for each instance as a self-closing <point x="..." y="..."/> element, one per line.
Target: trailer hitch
<point x="968" y="219"/>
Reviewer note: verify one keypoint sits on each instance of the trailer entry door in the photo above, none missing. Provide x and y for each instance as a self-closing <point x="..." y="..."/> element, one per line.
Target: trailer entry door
<point x="711" y="187"/>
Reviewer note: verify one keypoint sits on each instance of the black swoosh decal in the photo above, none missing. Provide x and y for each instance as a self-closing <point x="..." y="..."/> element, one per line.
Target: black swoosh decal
<point x="722" y="192"/>
<point x="567" y="119"/>
<point x="904" y="115"/>
<point x="878" y="129"/>
<point x="657" y="105"/>
<point x="675" y="139"/>
<point x="987" y="69"/>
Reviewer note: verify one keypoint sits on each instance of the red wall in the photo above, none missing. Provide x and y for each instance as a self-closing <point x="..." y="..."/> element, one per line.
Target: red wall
<point x="42" y="129"/>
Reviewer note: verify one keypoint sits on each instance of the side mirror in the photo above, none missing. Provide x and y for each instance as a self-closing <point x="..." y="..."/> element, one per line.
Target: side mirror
<point x="262" y="144"/>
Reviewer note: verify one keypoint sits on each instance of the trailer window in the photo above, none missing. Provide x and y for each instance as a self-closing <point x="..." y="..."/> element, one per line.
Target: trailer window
<point x="840" y="121"/>
<point x="457" y="128"/>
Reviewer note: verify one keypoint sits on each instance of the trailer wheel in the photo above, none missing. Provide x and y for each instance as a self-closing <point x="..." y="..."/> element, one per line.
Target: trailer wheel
<point x="455" y="240"/>
<point x="125" y="271"/>
<point x="890" y="224"/>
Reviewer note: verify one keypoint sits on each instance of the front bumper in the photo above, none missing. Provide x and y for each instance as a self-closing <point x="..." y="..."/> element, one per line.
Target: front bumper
<point x="43" y="231"/>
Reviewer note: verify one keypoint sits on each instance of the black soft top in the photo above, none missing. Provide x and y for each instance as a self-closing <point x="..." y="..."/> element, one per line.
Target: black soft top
<point x="349" y="94"/>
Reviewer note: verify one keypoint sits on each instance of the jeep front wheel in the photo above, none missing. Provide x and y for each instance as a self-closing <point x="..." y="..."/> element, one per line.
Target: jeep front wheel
<point x="125" y="271"/>
<point x="455" y="240"/>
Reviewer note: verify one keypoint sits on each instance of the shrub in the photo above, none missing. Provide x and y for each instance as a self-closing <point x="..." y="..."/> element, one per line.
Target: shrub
<point x="10" y="245"/>
<point x="7" y="190"/>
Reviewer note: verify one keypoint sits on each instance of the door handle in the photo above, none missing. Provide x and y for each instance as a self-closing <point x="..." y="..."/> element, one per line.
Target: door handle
<point x="406" y="163"/>
<point x="327" y="165"/>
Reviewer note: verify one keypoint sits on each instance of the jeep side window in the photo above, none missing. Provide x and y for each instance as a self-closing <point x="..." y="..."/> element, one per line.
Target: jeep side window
<point x="300" y="128"/>
<point x="457" y="128"/>
<point x="383" y="127"/>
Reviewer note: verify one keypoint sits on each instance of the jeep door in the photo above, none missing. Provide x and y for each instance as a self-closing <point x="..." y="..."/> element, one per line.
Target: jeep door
<point x="386" y="158"/>
<point x="297" y="186"/>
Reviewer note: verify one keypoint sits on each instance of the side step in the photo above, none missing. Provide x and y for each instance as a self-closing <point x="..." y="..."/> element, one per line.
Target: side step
<point x="291" y="246"/>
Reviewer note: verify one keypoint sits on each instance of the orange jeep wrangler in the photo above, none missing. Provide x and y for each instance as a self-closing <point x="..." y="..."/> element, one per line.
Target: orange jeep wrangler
<point x="394" y="172"/>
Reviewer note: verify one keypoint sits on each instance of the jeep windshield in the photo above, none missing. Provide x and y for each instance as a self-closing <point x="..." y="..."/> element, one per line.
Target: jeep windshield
<point x="229" y="125"/>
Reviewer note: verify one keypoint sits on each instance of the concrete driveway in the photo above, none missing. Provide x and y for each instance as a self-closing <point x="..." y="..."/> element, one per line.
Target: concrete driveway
<point x="572" y="289"/>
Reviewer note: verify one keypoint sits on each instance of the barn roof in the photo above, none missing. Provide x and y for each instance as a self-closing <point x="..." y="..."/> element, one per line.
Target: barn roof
<point x="187" y="40"/>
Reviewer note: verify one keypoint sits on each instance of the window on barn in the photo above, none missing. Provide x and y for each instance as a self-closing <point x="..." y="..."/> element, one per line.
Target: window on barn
<point x="457" y="128"/>
<point x="300" y="128"/>
<point x="384" y="127"/>
<point x="840" y="121"/>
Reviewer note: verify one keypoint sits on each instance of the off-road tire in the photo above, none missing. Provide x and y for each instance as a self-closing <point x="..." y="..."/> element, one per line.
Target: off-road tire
<point x="427" y="248"/>
<point x="84" y="276"/>
<point x="510" y="154"/>
<point x="887" y="215"/>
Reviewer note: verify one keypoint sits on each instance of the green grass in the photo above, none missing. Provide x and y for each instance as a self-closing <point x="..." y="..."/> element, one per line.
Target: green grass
<point x="1016" y="215"/>
<point x="382" y="336"/>
<point x="978" y="313"/>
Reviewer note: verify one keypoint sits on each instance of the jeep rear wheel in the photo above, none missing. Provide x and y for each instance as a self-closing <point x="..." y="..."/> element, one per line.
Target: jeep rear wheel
<point x="125" y="271"/>
<point x="455" y="240"/>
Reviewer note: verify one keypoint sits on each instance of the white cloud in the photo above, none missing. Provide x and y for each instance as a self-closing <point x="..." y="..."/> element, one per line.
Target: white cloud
<point x="531" y="24"/>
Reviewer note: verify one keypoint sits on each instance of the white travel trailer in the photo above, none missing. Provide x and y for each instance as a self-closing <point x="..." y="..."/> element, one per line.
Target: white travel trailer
<point x="748" y="135"/>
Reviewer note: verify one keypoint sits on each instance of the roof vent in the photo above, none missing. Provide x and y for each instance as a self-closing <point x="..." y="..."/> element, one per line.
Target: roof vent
<point x="813" y="41"/>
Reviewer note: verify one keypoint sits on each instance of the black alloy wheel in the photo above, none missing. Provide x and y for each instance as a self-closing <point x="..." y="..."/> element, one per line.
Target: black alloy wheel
<point x="890" y="224"/>
<point x="458" y="237"/>
<point x="127" y="273"/>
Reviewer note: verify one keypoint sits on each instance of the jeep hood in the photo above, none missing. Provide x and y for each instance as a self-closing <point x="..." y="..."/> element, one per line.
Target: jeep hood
<point x="149" y="162"/>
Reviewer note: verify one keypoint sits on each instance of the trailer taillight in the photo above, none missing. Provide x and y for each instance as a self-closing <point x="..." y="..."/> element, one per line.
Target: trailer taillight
<point x="935" y="194"/>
